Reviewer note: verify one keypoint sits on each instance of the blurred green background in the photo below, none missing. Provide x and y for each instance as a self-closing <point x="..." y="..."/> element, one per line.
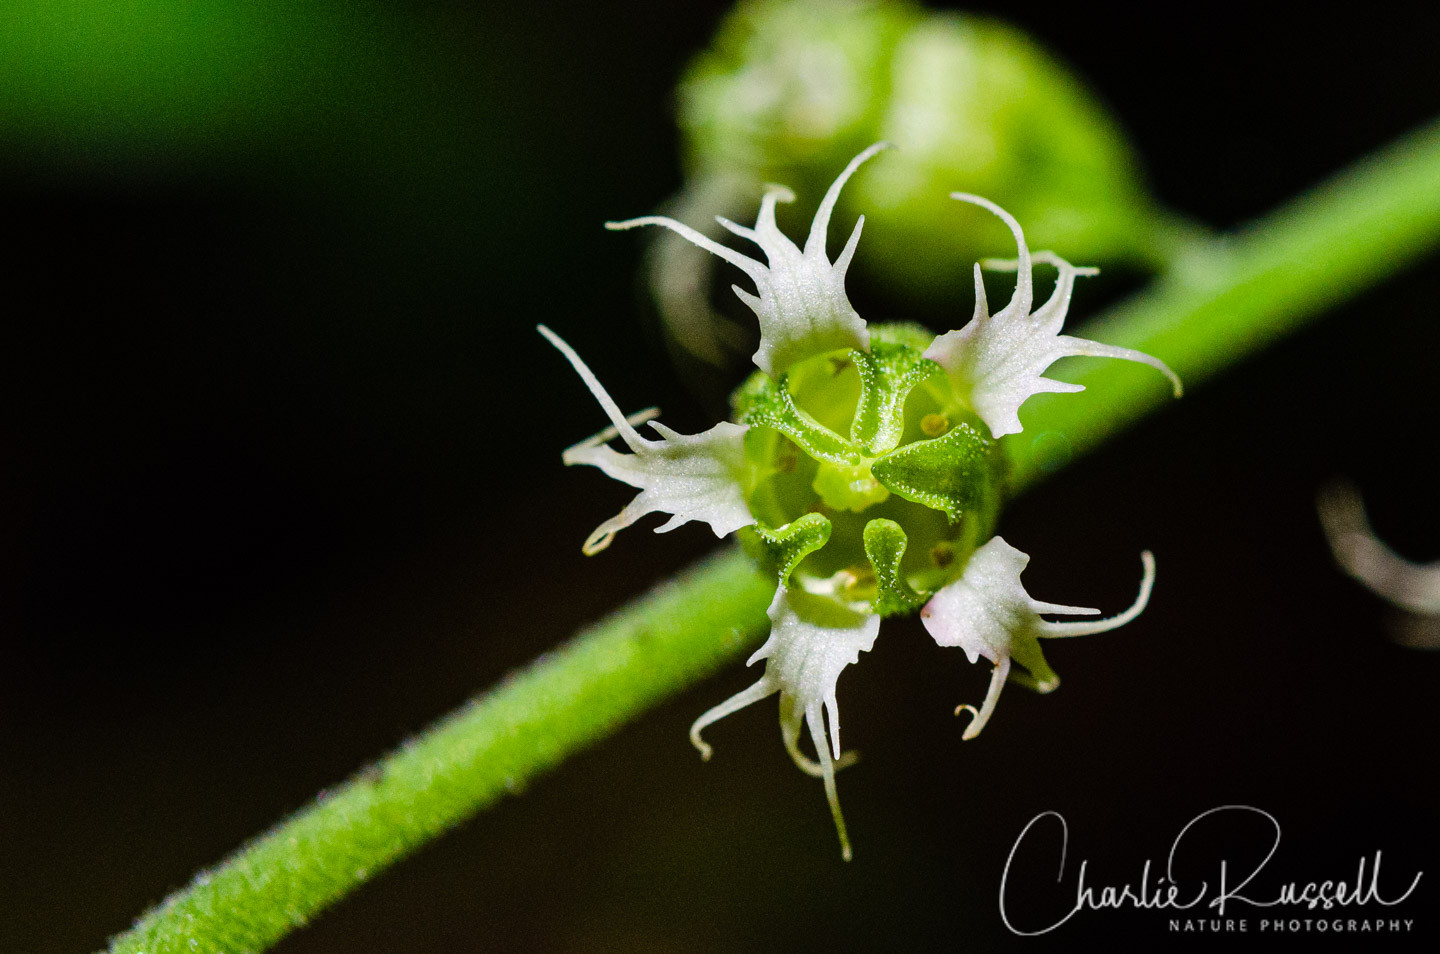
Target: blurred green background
<point x="279" y="431"/>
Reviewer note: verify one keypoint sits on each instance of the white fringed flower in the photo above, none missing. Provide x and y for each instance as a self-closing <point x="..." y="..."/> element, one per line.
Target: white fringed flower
<point x="812" y="639"/>
<point x="988" y="613"/>
<point x="996" y="362"/>
<point x="801" y="301"/>
<point x="689" y="476"/>
<point x="940" y="489"/>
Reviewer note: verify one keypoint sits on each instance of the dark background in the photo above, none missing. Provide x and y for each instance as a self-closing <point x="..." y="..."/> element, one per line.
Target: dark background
<point x="281" y="485"/>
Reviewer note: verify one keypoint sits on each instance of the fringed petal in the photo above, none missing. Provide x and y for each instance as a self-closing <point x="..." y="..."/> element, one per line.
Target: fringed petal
<point x="812" y="640"/>
<point x="988" y="613"/>
<point x="688" y="476"/>
<point x="997" y="362"/>
<point x="799" y="294"/>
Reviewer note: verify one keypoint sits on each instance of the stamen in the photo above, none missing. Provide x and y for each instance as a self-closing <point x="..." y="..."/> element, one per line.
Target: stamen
<point x="933" y="425"/>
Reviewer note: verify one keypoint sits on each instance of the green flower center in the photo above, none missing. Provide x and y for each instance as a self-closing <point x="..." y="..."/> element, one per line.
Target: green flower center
<point x="870" y="480"/>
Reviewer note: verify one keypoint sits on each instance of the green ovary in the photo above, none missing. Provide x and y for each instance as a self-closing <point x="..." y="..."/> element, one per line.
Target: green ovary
<point x="843" y="487"/>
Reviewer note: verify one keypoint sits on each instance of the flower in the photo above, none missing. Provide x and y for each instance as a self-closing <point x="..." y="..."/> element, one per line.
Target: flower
<point x="862" y="472"/>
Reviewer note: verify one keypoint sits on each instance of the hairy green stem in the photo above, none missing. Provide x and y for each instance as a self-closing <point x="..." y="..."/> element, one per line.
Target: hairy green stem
<point x="1224" y="299"/>
<point x="673" y="636"/>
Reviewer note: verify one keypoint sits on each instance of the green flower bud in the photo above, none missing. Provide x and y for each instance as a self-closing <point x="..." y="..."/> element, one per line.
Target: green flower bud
<point x="791" y="88"/>
<point x="975" y="104"/>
